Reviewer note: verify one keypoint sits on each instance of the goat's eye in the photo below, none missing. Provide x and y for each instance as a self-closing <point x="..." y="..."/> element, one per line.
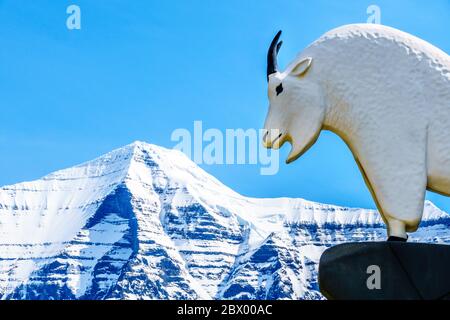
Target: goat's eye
<point x="279" y="89"/>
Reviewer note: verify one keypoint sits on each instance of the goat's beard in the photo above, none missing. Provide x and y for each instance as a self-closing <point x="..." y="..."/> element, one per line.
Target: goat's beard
<point x="295" y="152"/>
<point x="298" y="149"/>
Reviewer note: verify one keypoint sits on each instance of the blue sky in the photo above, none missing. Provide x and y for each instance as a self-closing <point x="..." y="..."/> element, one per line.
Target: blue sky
<point x="137" y="70"/>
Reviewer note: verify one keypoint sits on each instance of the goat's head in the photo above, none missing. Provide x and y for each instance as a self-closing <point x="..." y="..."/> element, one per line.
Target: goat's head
<point x="296" y="110"/>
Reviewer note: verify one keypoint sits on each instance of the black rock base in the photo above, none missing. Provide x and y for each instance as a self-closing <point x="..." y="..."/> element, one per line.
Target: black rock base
<point x="385" y="271"/>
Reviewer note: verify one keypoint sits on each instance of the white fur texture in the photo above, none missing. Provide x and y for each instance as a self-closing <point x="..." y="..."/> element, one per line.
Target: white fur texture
<point x="387" y="95"/>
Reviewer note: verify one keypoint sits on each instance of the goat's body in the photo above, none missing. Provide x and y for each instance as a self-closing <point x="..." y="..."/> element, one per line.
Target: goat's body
<point x="388" y="97"/>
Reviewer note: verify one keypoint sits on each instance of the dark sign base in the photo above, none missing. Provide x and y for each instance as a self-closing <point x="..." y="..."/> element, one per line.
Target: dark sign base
<point x="385" y="271"/>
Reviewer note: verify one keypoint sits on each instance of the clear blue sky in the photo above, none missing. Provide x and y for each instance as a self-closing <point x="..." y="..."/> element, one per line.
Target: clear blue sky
<point x="139" y="69"/>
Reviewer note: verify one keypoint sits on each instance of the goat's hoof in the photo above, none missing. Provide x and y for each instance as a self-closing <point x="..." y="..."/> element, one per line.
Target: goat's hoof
<point x="398" y="239"/>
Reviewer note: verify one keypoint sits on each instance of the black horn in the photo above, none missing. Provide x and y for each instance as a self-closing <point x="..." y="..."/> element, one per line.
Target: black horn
<point x="272" y="55"/>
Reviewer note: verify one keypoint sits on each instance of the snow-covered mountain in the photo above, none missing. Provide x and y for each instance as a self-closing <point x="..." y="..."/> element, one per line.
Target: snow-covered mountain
<point x="144" y="222"/>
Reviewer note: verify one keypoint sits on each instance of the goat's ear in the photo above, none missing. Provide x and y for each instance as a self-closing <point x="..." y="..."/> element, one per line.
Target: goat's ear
<point x="302" y="67"/>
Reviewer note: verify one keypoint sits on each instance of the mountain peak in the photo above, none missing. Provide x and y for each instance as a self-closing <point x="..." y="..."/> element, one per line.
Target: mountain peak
<point x="118" y="162"/>
<point x="143" y="221"/>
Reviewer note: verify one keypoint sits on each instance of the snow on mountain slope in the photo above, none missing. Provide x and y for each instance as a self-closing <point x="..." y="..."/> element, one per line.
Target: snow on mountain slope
<point x="144" y="222"/>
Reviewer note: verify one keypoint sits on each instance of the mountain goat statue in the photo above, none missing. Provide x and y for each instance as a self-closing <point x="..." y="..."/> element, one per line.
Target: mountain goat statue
<point x="387" y="95"/>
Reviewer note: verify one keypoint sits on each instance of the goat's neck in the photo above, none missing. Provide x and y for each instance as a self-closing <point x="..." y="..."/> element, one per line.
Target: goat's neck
<point x="339" y="115"/>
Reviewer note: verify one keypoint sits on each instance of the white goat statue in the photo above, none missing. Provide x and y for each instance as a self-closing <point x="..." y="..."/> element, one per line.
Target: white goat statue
<point x="387" y="95"/>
